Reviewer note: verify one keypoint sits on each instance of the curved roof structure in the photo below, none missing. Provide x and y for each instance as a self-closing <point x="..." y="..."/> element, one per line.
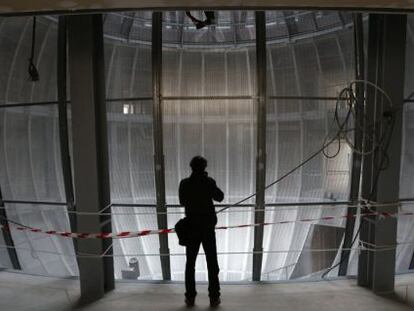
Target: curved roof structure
<point x="232" y="28"/>
<point x="70" y="6"/>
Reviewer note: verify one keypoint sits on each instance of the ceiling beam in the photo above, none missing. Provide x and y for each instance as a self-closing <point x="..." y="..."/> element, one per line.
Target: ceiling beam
<point x="12" y="7"/>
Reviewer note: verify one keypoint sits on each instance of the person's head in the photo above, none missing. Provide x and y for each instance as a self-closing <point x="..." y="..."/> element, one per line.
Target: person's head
<point x="198" y="164"/>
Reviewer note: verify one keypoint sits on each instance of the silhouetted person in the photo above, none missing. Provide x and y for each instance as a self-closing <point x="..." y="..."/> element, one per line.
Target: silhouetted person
<point x="197" y="193"/>
<point x="210" y="17"/>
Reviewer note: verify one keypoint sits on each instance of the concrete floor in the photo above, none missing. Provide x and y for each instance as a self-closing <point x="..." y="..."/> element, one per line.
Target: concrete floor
<point x="22" y="292"/>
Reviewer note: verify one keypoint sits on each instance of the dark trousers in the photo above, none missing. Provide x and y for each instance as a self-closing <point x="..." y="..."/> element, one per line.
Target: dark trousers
<point x="206" y="237"/>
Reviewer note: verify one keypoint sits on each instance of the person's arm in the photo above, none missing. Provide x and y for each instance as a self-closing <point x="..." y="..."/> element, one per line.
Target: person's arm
<point x="216" y="192"/>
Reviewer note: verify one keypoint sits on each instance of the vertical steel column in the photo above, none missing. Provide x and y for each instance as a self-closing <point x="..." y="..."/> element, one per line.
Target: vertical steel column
<point x="261" y="142"/>
<point x="411" y="263"/>
<point x="158" y="141"/>
<point x="63" y="121"/>
<point x="381" y="172"/>
<point x="8" y="239"/>
<point x="358" y="137"/>
<point x="367" y="191"/>
<point x="90" y="150"/>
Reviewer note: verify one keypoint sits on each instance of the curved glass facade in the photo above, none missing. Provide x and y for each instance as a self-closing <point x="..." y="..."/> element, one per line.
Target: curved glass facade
<point x="209" y="107"/>
<point x="30" y="165"/>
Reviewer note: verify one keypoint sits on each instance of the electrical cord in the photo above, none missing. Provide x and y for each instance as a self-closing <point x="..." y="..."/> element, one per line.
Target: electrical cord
<point x="342" y="127"/>
<point x="33" y="72"/>
<point x="358" y="230"/>
<point x="385" y="137"/>
<point x="366" y="130"/>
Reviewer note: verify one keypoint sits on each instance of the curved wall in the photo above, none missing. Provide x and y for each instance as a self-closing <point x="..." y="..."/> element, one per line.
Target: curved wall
<point x="223" y="130"/>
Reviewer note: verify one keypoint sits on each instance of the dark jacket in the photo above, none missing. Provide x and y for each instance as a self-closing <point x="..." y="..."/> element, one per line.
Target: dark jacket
<point x="197" y="193"/>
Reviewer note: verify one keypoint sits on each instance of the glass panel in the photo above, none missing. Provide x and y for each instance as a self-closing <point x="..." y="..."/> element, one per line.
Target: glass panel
<point x="30" y="159"/>
<point x="4" y="254"/>
<point x="223" y="131"/>
<point x="209" y="73"/>
<point x="130" y="133"/>
<point x="237" y="267"/>
<point x="15" y="43"/>
<point x="40" y="253"/>
<point x="233" y="267"/>
<point x="405" y="233"/>
<point x="130" y="140"/>
<point x="295" y="131"/>
<point x="135" y="219"/>
<point x="30" y="167"/>
<point x="288" y="244"/>
<point x="319" y="66"/>
<point x="128" y="70"/>
<point x="407" y="156"/>
<point x="178" y="260"/>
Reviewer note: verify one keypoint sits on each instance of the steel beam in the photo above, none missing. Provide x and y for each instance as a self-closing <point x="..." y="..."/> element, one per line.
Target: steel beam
<point x="34" y="202"/>
<point x="158" y="141"/>
<point x="63" y="120"/>
<point x="8" y="239"/>
<point x="307" y="98"/>
<point x="261" y="142"/>
<point x="412" y="263"/>
<point x="90" y="151"/>
<point x="323" y="203"/>
<point x="287" y="204"/>
<point x="184" y="98"/>
<point x="358" y="140"/>
<point x="49" y="7"/>
<point x="381" y="170"/>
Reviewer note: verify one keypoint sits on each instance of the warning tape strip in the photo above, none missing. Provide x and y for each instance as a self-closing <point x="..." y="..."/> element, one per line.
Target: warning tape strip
<point x="132" y="234"/>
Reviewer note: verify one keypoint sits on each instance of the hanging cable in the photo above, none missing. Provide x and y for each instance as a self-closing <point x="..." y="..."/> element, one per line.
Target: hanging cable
<point x="382" y="146"/>
<point x="33" y="72"/>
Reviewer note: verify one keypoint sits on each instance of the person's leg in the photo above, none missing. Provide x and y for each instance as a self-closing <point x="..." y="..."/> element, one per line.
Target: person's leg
<point x="191" y="256"/>
<point x="210" y="249"/>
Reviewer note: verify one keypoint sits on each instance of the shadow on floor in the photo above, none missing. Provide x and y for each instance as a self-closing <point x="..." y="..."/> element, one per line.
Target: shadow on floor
<point x="404" y="294"/>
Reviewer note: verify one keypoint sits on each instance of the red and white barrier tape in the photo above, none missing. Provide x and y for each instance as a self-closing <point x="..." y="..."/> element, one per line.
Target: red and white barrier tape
<point x="132" y="234"/>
